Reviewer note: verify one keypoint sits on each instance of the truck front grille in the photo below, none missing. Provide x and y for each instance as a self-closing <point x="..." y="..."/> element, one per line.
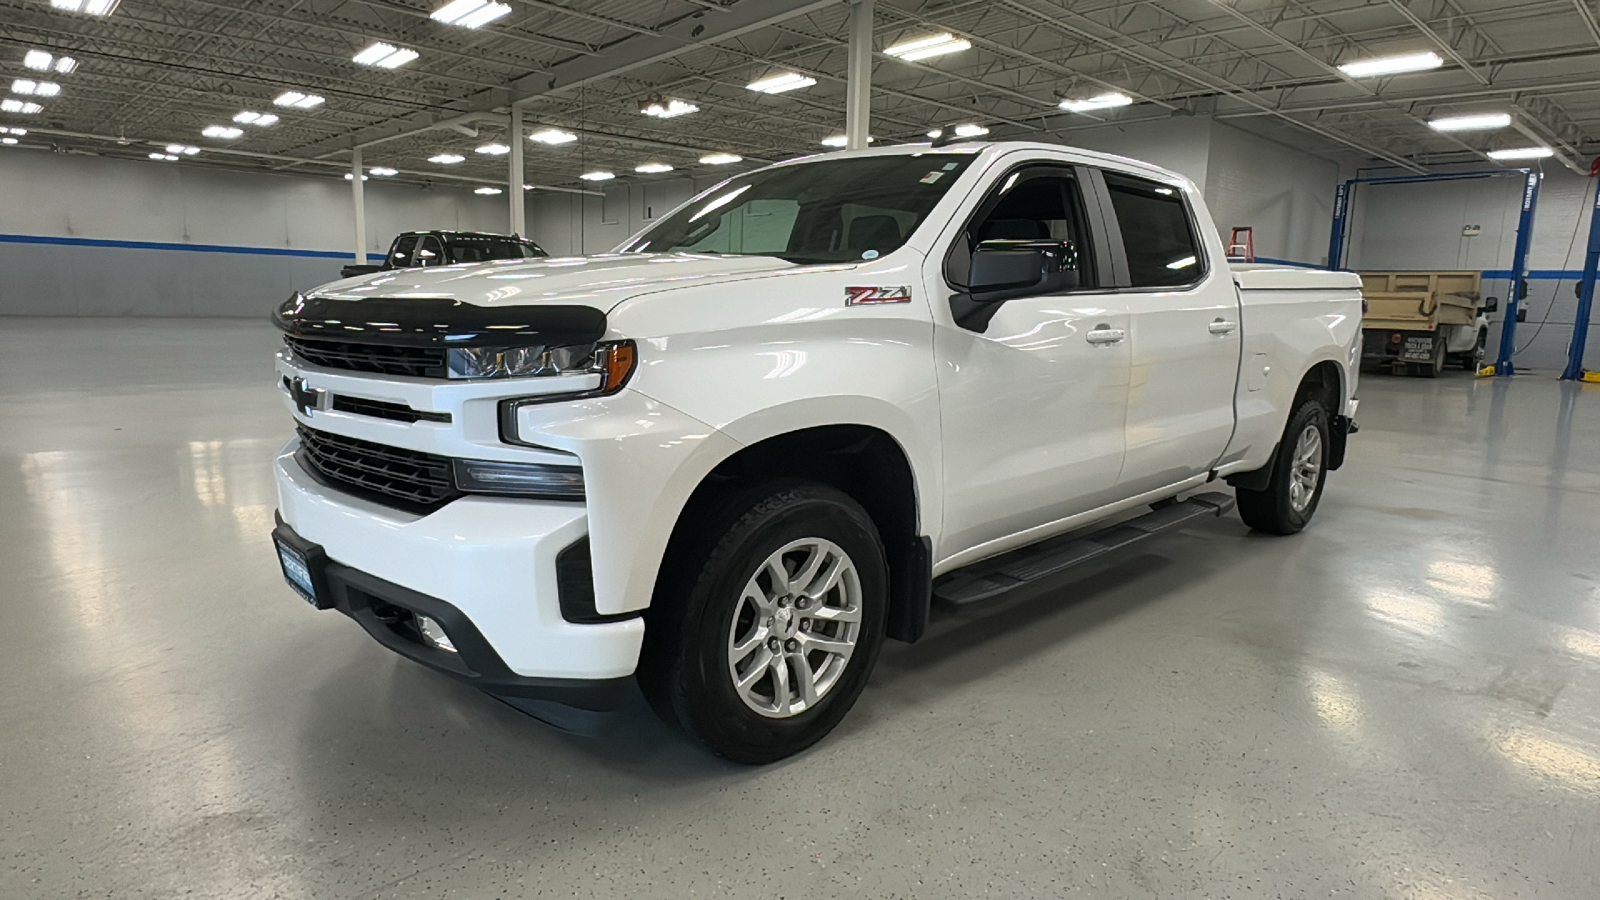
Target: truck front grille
<point x="382" y="359"/>
<point x="404" y="479"/>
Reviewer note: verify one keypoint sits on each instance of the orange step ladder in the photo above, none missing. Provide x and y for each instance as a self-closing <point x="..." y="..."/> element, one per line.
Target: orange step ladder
<point x="1242" y="245"/>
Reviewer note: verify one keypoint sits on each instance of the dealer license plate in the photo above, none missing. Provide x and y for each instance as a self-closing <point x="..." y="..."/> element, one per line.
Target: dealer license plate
<point x="1418" y="349"/>
<point x="297" y="572"/>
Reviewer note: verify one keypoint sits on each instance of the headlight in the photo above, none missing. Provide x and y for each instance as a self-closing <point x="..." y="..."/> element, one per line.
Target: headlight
<point x="520" y="362"/>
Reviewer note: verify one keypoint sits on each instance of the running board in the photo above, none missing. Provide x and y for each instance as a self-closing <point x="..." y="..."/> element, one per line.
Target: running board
<point x="993" y="577"/>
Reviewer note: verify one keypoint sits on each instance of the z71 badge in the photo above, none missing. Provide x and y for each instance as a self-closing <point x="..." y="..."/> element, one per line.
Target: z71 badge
<point x="863" y="296"/>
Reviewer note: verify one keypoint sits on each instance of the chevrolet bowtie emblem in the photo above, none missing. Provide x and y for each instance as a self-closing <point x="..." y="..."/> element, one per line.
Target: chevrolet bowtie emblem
<point x="306" y="398"/>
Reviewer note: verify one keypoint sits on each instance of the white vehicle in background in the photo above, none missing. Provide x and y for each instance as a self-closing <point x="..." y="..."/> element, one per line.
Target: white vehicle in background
<point x="733" y="457"/>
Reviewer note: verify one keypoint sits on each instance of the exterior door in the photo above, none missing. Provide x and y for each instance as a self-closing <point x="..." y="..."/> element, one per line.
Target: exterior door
<point x="1033" y="389"/>
<point x="1184" y="336"/>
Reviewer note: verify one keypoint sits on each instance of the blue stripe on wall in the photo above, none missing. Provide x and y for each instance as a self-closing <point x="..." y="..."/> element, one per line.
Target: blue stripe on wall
<point x="160" y="245"/>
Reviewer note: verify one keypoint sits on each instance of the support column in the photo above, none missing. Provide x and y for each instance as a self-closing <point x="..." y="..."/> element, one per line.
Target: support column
<point x="858" y="88"/>
<point x="358" y="198"/>
<point x="515" y="178"/>
<point x="1519" y="275"/>
<point x="1580" y="324"/>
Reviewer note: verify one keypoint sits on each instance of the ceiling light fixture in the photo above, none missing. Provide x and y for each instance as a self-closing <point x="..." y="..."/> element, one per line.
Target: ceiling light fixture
<point x="1480" y="122"/>
<point x="1392" y="65"/>
<point x="597" y="176"/>
<point x="777" y="84"/>
<point x="469" y="13"/>
<point x="652" y="168"/>
<point x="260" y="120"/>
<point x="493" y="150"/>
<point x="184" y="149"/>
<point x="447" y="159"/>
<point x="88" y="7"/>
<point x="922" y="48"/>
<point x="29" y="87"/>
<point x="17" y="106"/>
<point x="221" y="132"/>
<point x="1523" y="153"/>
<point x="351" y="177"/>
<point x="488" y="191"/>
<point x="297" y="100"/>
<point x="40" y="61"/>
<point x="383" y="171"/>
<point x="553" y="136"/>
<point x="840" y="140"/>
<point x="670" y="109"/>
<point x="8" y="141"/>
<point x="164" y="157"/>
<point x="1102" y="101"/>
<point x="384" y="56"/>
<point x="971" y="131"/>
<point x="720" y="159"/>
<point x="19" y="132"/>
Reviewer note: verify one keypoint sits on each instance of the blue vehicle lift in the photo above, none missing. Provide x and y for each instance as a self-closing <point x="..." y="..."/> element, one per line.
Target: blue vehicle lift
<point x="1580" y="324"/>
<point x="1519" y="255"/>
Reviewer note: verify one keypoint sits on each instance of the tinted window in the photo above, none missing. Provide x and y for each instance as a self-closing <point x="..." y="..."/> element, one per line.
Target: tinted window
<point x="471" y="248"/>
<point x="833" y="210"/>
<point x="400" y="254"/>
<point x="1038" y="204"/>
<point x="1156" y="232"/>
<point x="431" y="252"/>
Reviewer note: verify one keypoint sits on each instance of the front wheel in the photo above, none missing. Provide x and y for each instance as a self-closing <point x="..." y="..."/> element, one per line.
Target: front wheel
<point x="1299" y="470"/>
<point x="769" y="638"/>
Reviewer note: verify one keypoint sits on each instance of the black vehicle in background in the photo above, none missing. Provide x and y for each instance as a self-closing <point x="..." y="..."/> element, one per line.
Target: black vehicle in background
<point x="413" y="249"/>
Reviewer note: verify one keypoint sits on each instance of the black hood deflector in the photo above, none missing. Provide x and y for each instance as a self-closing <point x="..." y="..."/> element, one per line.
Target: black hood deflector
<point x="436" y="322"/>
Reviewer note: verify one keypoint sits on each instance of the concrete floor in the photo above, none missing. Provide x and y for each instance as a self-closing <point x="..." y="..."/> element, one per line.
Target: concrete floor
<point x="1403" y="702"/>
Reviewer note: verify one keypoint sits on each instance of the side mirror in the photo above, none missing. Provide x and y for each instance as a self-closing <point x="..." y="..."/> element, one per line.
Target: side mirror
<point x="1491" y="304"/>
<point x="1003" y="269"/>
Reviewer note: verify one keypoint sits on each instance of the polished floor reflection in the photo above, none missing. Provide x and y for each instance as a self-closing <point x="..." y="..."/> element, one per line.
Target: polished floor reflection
<point x="1403" y="702"/>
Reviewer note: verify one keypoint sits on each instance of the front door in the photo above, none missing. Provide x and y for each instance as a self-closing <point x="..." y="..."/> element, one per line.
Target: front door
<point x="1033" y="389"/>
<point x="1184" y="336"/>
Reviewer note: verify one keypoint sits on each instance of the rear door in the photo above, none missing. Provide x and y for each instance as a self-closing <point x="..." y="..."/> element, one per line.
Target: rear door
<point x="1033" y="390"/>
<point x="1184" y="332"/>
<point x="400" y="254"/>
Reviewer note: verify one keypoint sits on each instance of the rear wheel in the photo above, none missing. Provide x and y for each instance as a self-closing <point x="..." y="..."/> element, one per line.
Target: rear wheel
<point x="1299" y="470"/>
<point x="768" y="639"/>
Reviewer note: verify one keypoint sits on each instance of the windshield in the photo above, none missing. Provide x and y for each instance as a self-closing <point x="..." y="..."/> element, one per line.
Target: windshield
<point x="471" y="248"/>
<point x="835" y="210"/>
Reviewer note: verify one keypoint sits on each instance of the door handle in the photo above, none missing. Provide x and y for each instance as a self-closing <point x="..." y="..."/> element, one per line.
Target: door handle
<point x="1222" y="326"/>
<point x="1104" y="335"/>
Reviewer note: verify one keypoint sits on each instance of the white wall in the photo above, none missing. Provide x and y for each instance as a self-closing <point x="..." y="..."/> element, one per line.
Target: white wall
<point x="574" y="224"/>
<point x="1419" y="226"/>
<point x="1283" y="193"/>
<point x="282" y="226"/>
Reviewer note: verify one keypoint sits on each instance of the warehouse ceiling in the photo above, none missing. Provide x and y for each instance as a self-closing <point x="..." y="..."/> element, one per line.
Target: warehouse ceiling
<point x="155" y="72"/>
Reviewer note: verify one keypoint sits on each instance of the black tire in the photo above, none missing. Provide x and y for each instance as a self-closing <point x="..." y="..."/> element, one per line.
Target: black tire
<point x="1474" y="359"/>
<point x="1432" y="368"/>
<point x="683" y="668"/>
<point x="1272" y="509"/>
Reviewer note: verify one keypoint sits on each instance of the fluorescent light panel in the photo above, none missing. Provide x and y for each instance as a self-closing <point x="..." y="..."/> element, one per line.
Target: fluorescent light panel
<point x="19" y="132"/>
<point x="597" y="176"/>
<point x="493" y="150"/>
<point x="652" y="168"/>
<point x="164" y="157"/>
<point x="88" y="7"/>
<point x="487" y="191"/>
<point x="184" y="149"/>
<point x="383" y="171"/>
<point x="222" y="132"/>
<point x="778" y="84"/>
<point x="384" y="56"/>
<point x="470" y="13"/>
<point x="351" y="177"/>
<point x="840" y="140"/>
<point x="1102" y="101"/>
<point x="1523" y="153"/>
<point x="297" y="100"/>
<point x="923" y="48"/>
<point x="1480" y="122"/>
<point x="720" y="159"/>
<point x="260" y="120"/>
<point x="12" y="105"/>
<point x="670" y="110"/>
<point x="447" y="159"/>
<point x="1392" y="65"/>
<point x="29" y="87"/>
<point x="8" y="140"/>
<point x="41" y="61"/>
<point x="553" y="136"/>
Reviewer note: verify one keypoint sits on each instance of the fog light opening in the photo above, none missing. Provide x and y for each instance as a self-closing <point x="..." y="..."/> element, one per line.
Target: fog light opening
<point x="433" y="634"/>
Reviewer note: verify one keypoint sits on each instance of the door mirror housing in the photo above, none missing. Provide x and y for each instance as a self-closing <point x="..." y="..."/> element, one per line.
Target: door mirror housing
<point x="1004" y="269"/>
<point x="353" y="270"/>
<point x="1492" y="304"/>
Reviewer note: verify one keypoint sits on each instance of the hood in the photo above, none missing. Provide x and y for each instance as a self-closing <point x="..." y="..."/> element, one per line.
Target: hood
<point x="600" y="281"/>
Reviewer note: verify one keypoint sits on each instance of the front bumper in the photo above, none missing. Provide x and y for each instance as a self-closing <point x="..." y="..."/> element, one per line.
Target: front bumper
<point x="486" y="563"/>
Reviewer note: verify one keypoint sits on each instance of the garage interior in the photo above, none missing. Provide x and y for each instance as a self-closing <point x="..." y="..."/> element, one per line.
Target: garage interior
<point x="1403" y="701"/>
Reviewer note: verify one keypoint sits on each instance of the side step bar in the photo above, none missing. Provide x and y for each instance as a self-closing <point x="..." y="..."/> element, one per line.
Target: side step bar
<point x="993" y="577"/>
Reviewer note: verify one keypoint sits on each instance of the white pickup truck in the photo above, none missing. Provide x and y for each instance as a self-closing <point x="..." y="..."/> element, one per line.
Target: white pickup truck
<point x="781" y="423"/>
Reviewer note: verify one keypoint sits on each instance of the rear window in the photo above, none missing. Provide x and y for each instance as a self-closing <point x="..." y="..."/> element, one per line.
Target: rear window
<point x="1157" y="233"/>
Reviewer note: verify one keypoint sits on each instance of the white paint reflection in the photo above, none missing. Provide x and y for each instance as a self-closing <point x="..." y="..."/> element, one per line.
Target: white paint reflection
<point x="1408" y="611"/>
<point x="785" y="362"/>
<point x="1558" y="760"/>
